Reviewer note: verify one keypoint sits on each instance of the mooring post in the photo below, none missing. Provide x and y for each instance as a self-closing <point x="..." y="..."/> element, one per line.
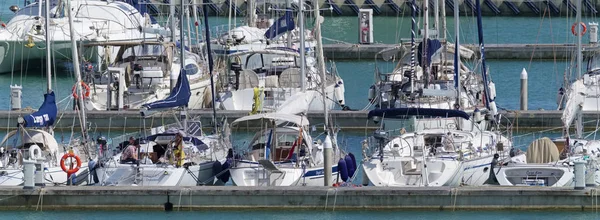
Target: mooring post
<point x="524" y="90"/>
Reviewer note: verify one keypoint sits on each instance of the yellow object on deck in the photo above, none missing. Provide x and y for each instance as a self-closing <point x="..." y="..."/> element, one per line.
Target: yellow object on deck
<point x="30" y="43"/>
<point x="256" y="104"/>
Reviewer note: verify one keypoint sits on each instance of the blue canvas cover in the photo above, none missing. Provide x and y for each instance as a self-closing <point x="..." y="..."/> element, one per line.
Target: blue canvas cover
<point x="46" y="114"/>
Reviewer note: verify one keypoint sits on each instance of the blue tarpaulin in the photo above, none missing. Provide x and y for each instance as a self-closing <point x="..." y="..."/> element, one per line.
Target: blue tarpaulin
<point x="45" y="116"/>
<point x="425" y="112"/>
<point x="284" y="24"/>
<point x="180" y="95"/>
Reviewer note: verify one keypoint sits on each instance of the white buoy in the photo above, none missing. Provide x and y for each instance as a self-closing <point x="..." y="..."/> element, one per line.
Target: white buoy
<point x="327" y="150"/>
<point x="28" y="174"/>
<point x="15" y="97"/>
<point x="524" y="90"/>
<point x="593" y="33"/>
<point x="579" y="172"/>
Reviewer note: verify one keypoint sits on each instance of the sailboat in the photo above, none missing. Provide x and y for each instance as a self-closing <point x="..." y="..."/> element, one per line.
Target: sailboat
<point x="551" y="162"/>
<point x="428" y="76"/>
<point x="33" y="140"/>
<point x="206" y="156"/>
<point x="282" y="152"/>
<point x="97" y="20"/>
<point x="274" y="77"/>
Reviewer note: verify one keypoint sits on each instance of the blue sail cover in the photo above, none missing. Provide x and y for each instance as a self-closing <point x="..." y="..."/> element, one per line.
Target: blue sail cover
<point x="45" y="116"/>
<point x="284" y="24"/>
<point x="432" y="46"/>
<point x="180" y="95"/>
<point x="425" y="112"/>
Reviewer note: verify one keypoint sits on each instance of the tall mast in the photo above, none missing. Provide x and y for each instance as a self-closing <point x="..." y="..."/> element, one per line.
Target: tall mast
<point x="173" y="36"/>
<point x="210" y="62"/>
<point x="424" y="59"/>
<point x="77" y="72"/>
<point x="489" y="103"/>
<point x="302" y="49"/>
<point x="48" y="58"/>
<point x="412" y="45"/>
<point x="251" y="13"/>
<point x="327" y="168"/>
<point x="456" y="53"/>
<point x="579" y="121"/>
<point x="443" y="30"/>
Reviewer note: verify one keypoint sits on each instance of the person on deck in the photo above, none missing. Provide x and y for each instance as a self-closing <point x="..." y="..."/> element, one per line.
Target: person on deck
<point x="130" y="154"/>
<point x="178" y="149"/>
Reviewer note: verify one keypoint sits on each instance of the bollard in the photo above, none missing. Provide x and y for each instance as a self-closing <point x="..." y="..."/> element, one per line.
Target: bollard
<point x="28" y="174"/>
<point x="40" y="172"/>
<point x="15" y="97"/>
<point x="524" y="90"/>
<point x="590" y="176"/>
<point x="579" y="172"/>
<point x="327" y="150"/>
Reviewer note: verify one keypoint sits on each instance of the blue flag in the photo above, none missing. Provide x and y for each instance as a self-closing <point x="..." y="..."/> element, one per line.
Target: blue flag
<point x="284" y="24"/>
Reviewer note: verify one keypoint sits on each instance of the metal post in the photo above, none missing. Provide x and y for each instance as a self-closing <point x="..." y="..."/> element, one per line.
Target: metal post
<point x="302" y="49"/>
<point x="524" y="90"/>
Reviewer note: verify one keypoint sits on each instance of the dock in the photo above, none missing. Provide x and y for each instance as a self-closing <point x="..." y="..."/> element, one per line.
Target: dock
<point x="347" y="120"/>
<point x="367" y="52"/>
<point x="323" y="198"/>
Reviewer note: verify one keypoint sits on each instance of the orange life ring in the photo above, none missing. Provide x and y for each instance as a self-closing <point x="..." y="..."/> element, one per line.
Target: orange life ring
<point x="575" y="31"/>
<point x="85" y="87"/>
<point x="72" y="170"/>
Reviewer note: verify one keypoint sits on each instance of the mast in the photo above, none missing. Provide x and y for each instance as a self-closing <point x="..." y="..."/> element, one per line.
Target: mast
<point x="77" y="72"/>
<point x="302" y="49"/>
<point x="456" y="53"/>
<point x="173" y="37"/>
<point x="443" y="34"/>
<point x="48" y="58"/>
<point x="579" y="120"/>
<point x="251" y="13"/>
<point x="182" y="13"/>
<point x="436" y="17"/>
<point x="412" y="45"/>
<point x="489" y="104"/>
<point x="424" y="59"/>
<point x="327" y="144"/>
<point x="210" y="62"/>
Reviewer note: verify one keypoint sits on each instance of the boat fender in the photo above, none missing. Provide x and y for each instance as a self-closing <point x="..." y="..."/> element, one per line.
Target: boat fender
<point x="350" y="166"/>
<point x="225" y="176"/>
<point x="216" y="168"/>
<point x="353" y="162"/>
<point x="371" y="93"/>
<point x="339" y="93"/>
<point x="343" y="169"/>
<point x="35" y="152"/>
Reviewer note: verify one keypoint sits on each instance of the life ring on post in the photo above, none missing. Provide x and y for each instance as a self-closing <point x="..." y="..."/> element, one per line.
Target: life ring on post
<point x="85" y="87"/>
<point x="35" y="152"/>
<point x="72" y="170"/>
<point x="574" y="30"/>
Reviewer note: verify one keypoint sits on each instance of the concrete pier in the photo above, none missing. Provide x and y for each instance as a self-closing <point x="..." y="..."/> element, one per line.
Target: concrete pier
<point x="492" y="51"/>
<point x="327" y="198"/>
<point x="347" y="120"/>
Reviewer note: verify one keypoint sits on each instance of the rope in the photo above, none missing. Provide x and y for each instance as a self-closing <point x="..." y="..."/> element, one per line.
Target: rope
<point x="40" y="202"/>
<point x="453" y="196"/>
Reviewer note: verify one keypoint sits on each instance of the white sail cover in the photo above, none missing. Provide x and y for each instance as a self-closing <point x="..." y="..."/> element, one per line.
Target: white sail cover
<point x="575" y="99"/>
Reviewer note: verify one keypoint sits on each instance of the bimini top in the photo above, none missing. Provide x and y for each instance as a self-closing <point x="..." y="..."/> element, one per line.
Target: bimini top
<point x="426" y="112"/>
<point x="169" y="134"/>
<point x="278" y="117"/>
